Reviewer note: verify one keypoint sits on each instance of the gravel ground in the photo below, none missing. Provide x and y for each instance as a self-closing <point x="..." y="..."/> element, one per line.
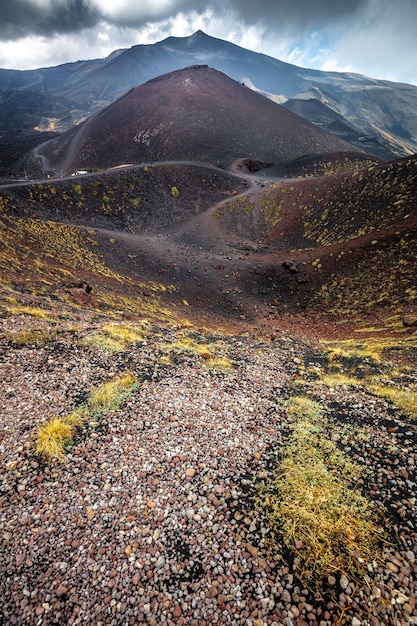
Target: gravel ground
<point x="150" y="519"/>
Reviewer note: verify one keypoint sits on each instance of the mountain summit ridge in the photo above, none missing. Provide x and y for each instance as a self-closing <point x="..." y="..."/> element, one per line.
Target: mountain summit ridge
<point x="194" y="114"/>
<point x="383" y="110"/>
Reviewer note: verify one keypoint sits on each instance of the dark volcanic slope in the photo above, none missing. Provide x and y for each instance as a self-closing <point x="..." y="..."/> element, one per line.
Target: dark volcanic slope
<point x="318" y="113"/>
<point x="342" y="243"/>
<point x="384" y="110"/>
<point x="195" y="114"/>
<point x="345" y="242"/>
<point x="151" y="199"/>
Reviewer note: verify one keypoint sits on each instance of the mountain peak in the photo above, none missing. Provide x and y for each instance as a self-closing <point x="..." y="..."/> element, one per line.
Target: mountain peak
<point x="196" y="113"/>
<point x="199" y="34"/>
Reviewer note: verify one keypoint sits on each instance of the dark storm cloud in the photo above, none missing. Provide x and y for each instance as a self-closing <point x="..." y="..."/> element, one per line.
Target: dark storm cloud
<point x="376" y="37"/>
<point x="27" y="17"/>
<point x="19" y="18"/>
<point x="275" y="13"/>
<point x="297" y="13"/>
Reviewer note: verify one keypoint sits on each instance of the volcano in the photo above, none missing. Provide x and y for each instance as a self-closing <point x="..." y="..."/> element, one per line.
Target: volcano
<point x="193" y="114"/>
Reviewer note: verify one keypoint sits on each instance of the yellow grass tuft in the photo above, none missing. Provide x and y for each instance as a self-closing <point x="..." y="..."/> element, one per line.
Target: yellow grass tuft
<point x="27" y="310"/>
<point x="33" y="336"/>
<point x="114" y="337"/>
<point x="312" y="504"/>
<point x="405" y="400"/>
<point x="52" y="438"/>
<point x="370" y="347"/>
<point x="110" y="395"/>
<point x="165" y="361"/>
<point x="302" y="407"/>
<point x="100" y="341"/>
<point x="77" y="417"/>
<point x="55" y="435"/>
<point x="218" y="363"/>
<point x="125" y="333"/>
<point x="212" y="354"/>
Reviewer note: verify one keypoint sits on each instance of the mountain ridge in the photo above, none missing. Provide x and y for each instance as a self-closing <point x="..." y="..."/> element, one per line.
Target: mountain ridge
<point x="84" y="87"/>
<point x="193" y="114"/>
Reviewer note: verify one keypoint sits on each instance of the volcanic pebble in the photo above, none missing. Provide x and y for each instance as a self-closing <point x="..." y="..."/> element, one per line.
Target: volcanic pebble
<point x="150" y="521"/>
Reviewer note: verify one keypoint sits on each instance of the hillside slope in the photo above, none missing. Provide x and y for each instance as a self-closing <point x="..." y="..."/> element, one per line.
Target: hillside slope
<point x="194" y="114"/>
<point x="237" y="245"/>
<point x="383" y="110"/>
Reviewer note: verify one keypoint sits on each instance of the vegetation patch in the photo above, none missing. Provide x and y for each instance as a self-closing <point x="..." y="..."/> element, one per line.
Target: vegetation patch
<point x="404" y="399"/>
<point x="57" y="434"/>
<point x="312" y="504"/>
<point x="212" y="354"/>
<point x="114" y="337"/>
<point x="109" y="396"/>
<point x="30" y="243"/>
<point x="374" y="348"/>
<point x="380" y="275"/>
<point x="33" y="336"/>
<point x="359" y="358"/>
<point x="27" y="310"/>
<point x="53" y="437"/>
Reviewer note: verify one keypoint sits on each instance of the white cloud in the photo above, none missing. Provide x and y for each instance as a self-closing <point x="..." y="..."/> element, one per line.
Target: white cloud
<point x="373" y="37"/>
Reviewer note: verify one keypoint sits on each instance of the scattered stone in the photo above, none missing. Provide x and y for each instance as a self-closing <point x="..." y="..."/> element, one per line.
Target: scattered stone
<point x="90" y="513"/>
<point x="61" y="590"/>
<point x="291" y="266"/>
<point x="149" y="523"/>
<point x="344" y="581"/>
<point x="252" y="549"/>
<point x="410" y="320"/>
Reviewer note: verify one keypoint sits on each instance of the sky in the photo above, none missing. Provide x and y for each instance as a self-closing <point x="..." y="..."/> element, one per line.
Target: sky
<point x="377" y="38"/>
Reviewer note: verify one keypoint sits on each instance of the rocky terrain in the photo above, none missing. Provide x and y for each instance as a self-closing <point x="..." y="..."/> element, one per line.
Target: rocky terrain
<point x="153" y="514"/>
<point x="156" y="512"/>
<point x="207" y="368"/>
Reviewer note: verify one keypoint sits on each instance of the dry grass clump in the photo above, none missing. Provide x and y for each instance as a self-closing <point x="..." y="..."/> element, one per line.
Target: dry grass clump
<point x="114" y="337"/>
<point x="33" y="336"/>
<point x="212" y="354"/>
<point x="218" y="363"/>
<point x="338" y="380"/>
<point x="100" y="341"/>
<point x="404" y="399"/>
<point x="312" y="504"/>
<point x="28" y="310"/>
<point x="109" y="396"/>
<point x="374" y="348"/>
<point x="53" y="437"/>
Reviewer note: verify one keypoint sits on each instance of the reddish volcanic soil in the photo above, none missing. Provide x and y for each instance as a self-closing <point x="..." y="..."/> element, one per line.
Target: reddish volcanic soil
<point x="193" y="113"/>
<point x="244" y="249"/>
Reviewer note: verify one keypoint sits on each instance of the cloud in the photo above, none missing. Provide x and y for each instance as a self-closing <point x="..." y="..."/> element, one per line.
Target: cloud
<point x="19" y="18"/>
<point x="24" y="17"/>
<point x="130" y="14"/>
<point x="295" y="14"/>
<point x="384" y="39"/>
<point x="374" y="37"/>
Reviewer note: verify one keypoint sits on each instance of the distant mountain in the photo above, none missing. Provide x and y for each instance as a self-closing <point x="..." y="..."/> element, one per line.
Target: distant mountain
<point x="331" y="121"/>
<point x="383" y="112"/>
<point x="193" y="114"/>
